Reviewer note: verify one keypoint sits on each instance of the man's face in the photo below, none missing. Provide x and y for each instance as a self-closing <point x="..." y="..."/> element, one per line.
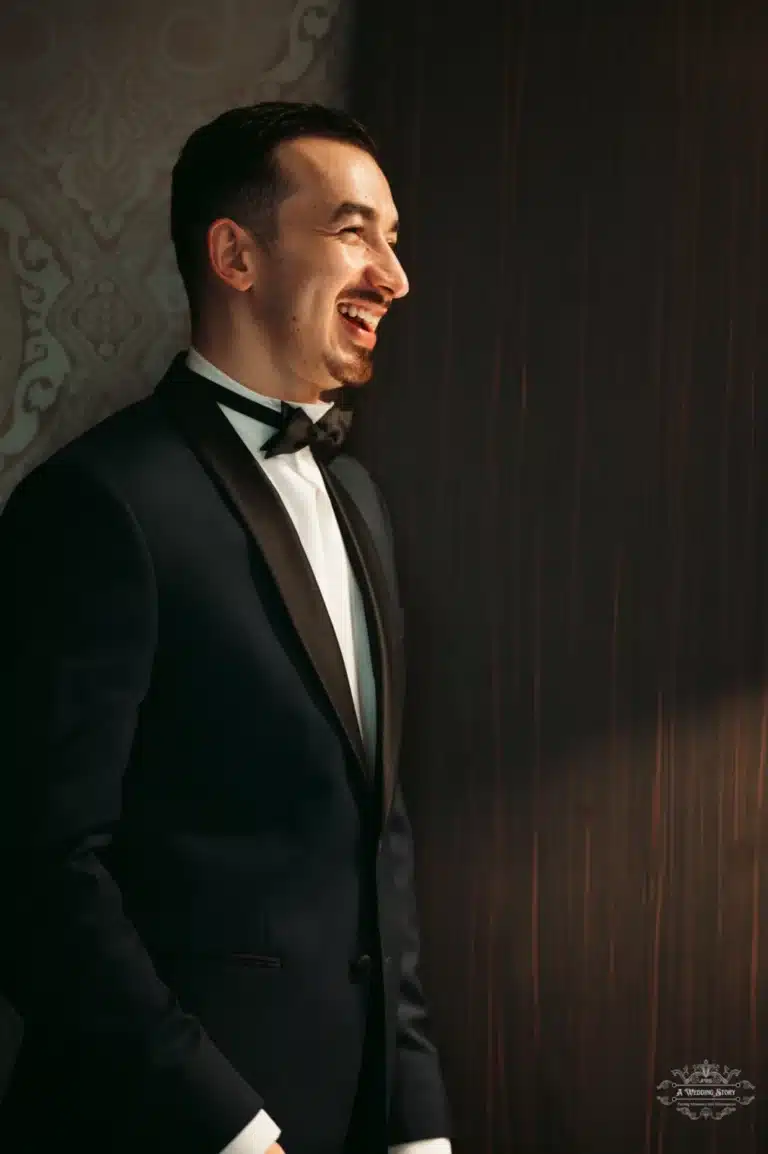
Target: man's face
<point x="333" y="253"/>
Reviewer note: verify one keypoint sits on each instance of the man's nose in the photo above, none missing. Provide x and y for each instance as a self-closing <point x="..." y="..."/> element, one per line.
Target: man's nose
<point x="389" y="276"/>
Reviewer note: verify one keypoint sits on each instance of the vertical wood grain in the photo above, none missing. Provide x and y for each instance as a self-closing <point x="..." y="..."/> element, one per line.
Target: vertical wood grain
<point x="568" y="418"/>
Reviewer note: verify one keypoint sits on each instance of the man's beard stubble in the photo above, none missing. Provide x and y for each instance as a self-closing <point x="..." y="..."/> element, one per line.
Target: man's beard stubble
<point x="349" y="375"/>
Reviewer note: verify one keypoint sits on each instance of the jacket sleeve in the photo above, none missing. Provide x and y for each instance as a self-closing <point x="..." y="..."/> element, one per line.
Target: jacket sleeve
<point x="419" y="1106"/>
<point x="78" y="590"/>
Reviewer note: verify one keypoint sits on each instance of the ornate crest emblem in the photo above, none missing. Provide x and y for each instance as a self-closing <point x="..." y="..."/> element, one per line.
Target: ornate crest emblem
<point x="704" y="1092"/>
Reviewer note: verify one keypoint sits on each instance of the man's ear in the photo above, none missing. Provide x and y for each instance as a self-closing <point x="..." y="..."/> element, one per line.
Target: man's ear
<point x="233" y="256"/>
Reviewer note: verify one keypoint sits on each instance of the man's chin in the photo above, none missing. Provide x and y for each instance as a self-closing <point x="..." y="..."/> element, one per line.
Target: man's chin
<point x="349" y="376"/>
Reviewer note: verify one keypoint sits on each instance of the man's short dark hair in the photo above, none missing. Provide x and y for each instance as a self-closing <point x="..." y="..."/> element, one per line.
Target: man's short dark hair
<point x="228" y="168"/>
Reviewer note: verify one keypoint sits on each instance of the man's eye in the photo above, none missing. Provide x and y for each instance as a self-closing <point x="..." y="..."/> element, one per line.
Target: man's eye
<point x="355" y="228"/>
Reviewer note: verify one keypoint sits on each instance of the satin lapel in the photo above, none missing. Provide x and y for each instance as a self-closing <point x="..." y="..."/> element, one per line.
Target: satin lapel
<point x="215" y="442"/>
<point x="374" y="588"/>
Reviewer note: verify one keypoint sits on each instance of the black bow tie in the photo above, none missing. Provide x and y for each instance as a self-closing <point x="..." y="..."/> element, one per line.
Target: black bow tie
<point x="295" y="430"/>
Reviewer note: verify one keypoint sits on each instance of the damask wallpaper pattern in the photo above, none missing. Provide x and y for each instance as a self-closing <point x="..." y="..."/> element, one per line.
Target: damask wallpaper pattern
<point x="95" y="102"/>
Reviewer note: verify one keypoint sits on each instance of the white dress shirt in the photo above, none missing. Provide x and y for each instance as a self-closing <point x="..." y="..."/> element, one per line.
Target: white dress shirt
<point x="300" y="486"/>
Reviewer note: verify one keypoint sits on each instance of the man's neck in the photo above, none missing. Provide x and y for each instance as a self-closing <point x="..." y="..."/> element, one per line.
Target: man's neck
<point x="250" y="371"/>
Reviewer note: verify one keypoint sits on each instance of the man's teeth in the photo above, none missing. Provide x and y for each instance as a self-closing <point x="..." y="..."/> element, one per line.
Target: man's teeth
<point x="370" y="320"/>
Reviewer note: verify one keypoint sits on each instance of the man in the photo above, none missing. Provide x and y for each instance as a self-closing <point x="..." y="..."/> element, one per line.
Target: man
<point x="208" y="890"/>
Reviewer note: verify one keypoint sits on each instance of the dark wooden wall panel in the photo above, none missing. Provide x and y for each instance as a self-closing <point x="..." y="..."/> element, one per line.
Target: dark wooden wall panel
<point x="568" y="419"/>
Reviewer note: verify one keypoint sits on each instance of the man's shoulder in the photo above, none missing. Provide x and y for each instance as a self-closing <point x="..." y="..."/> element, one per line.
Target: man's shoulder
<point x="126" y="449"/>
<point x="123" y="435"/>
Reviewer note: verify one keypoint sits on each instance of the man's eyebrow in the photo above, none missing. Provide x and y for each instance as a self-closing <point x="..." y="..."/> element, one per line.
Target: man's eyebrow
<point x="353" y="208"/>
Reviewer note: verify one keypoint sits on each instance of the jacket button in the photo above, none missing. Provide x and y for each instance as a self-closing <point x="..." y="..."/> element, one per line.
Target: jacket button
<point x="360" y="968"/>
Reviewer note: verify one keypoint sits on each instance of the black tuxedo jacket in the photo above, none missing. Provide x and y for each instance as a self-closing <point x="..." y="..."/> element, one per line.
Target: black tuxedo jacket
<point x="206" y="885"/>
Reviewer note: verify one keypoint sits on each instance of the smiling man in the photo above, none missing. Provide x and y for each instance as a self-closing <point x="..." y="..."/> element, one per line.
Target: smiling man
<point x="208" y="894"/>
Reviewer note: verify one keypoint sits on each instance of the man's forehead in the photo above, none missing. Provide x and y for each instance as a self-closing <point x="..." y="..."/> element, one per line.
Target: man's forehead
<point x="331" y="172"/>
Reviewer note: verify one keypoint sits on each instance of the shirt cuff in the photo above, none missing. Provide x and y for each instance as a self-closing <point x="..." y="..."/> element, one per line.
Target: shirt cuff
<point x="257" y="1137"/>
<point x="424" y="1146"/>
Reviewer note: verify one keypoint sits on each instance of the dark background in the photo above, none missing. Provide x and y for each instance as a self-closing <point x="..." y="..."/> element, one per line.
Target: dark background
<point x="569" y="420"/>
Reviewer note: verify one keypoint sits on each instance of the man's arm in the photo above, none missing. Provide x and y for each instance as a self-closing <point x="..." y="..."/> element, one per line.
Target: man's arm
<point x="419" y="1107"/>
<point x="419" y="1110"/>
<point x="78" y="592"/>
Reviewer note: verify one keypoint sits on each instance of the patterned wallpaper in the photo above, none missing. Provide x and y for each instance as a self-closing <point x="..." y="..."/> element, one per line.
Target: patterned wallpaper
<point x="95" y="102"/>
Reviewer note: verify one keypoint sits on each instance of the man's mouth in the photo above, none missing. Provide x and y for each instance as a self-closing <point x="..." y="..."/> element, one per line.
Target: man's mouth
<point x="361" y="323"/>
